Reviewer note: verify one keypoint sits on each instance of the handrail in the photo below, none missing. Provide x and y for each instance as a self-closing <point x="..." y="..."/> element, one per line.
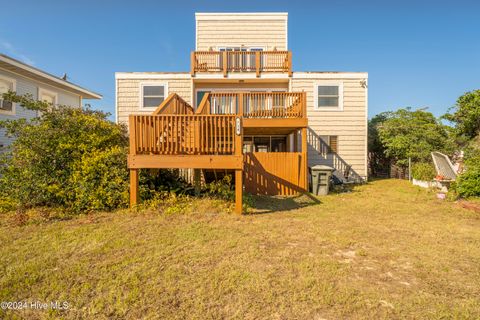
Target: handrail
<point x="204" y="106"/>
<point x="241" y="61"/>
<point x="182" y="134"/>
<point x="174" y="104"/>
<point x="255" y="104"/>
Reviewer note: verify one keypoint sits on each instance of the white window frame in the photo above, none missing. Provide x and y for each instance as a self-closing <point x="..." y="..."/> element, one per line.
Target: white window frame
<point x="328" y="83"/>
<point x="151" y="84"/>
<point x="14" y="89"/>
<point x="43" y="91"/>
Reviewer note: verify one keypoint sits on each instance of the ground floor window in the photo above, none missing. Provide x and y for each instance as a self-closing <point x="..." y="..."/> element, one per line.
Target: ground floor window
<point x="265" y="143"/>
<point x="331" y="142"/>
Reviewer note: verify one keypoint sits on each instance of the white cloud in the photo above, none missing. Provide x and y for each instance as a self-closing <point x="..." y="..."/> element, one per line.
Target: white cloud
<point x="12" y="51"/>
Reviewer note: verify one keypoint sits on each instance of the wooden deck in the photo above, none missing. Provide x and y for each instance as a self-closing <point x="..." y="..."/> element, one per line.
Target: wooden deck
<point x="241" y="61"/>
<point x="176" y="136"/>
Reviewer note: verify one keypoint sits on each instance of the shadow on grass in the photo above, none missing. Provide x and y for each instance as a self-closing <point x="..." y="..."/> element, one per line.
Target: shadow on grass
<point x="274" y="204"/>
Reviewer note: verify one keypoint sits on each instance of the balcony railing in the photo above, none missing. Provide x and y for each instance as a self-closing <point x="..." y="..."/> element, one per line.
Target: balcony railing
<point x="255" y="104"/>
<point x="182" y="134"/>
<point x="241" y="61"/>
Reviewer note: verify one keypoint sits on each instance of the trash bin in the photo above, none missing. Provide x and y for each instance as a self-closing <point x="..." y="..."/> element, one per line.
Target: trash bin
<point x="321" y="179"/>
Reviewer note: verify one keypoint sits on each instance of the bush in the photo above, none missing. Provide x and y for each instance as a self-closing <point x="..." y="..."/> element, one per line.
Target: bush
<point x="100" y="181"/>
<point x="66" y="157"/>
<point x="468" y="183"/>
<point x="423" y="171"/>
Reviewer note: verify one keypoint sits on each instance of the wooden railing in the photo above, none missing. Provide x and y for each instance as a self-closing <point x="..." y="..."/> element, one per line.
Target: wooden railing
<point x="241" y="61"/>
<point x="182" y="134"/>
<point x="174" y="104"/>
<point x="255" y="104"/>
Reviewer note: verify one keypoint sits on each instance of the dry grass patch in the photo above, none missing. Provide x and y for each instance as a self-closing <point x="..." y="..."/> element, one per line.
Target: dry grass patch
<point x="385" y="250"/>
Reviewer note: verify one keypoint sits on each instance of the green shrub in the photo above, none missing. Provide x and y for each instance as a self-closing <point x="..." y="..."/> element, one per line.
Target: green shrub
<point x="423" y="171"/>
<point x="66" y="157"/>
<point x="100" y="181"/>
<point x="468" y="183"/>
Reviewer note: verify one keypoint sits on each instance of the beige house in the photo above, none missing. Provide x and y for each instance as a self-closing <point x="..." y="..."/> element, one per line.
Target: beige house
<point x="244" y="59"/>
<point x="26" y="79"/>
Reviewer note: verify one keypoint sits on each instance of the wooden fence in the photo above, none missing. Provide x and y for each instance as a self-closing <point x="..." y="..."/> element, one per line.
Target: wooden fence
<point x="274" y="173"/>
<point x="183" y="134"/>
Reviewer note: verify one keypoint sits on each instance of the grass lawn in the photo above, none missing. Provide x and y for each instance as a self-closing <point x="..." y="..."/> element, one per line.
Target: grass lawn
<point x="385" y="250"/>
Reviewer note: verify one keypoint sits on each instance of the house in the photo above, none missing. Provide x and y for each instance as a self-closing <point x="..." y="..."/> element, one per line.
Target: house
<point x="242" y="108"/>
<point x="25" y="79"/>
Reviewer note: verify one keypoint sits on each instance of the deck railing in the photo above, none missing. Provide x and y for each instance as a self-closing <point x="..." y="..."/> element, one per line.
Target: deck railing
<point x="182" y="134"/>
<point x="174" y="104"/>
<point x="255" y="104"/>
<point x="241" y="61"/>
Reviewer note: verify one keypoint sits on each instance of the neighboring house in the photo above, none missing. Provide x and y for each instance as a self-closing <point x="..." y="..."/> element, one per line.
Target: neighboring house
<point x="241" y="75"/>
<point x="25" y="79"/>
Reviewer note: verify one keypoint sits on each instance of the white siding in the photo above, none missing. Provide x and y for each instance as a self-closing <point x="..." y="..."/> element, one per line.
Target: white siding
<point x="128" y="94"/>
<point x="29" y="86"/>
<point x="349" y="125"/>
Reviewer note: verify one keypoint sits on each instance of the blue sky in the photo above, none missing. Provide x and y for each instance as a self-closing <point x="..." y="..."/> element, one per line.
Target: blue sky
<point x="417" y="53"/>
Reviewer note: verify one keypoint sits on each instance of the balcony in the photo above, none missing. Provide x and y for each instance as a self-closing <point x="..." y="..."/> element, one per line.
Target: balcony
<point x="241" y="61"/>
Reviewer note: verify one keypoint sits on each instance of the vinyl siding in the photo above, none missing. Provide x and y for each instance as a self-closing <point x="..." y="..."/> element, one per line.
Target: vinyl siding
<point x="29" y="86"/>
<point x="348" y="124"/>
<point x="231" y="32"/>
<point x="128" y="94"/>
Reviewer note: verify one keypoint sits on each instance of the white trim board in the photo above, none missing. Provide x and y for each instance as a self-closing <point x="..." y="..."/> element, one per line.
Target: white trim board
<point x="241" y="16"/>
<point x="45" y="75"/>
<point x="150" y="75"/>
<point x="338" y="83"/>
<point x="150" y="83"/>
<point x="14" y="89"/>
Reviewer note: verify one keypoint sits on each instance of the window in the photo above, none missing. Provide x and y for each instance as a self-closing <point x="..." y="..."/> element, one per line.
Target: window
<point x="47" y="96"/>
<point x="153" y="95"/>
<point x="6" y="84"/>
<point x="333" y="144"/>
<point x="329" y="96"/>
<point x="329" y="144"/>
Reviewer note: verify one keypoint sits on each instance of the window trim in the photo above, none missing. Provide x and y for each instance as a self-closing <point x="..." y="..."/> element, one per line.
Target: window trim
<point x="151" y="84"/>
<point x="14" y="89"/>
<point x="42" y="91"/>
<point x="328" y="83"/>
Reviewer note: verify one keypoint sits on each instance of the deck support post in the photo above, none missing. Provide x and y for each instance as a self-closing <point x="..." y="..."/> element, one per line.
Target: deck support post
<point x="196" y="179"/>
<point x="133" y="187"/>
<point x="304" y="158"/>
<point x="238" y="191"/>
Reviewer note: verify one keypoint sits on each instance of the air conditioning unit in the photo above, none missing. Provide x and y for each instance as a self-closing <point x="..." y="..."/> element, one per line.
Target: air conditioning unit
<point x="6" y="105"/>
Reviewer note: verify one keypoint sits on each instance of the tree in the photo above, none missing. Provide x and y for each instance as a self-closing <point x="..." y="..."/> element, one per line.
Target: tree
<point x="413" y="134"/>
<point x="68" y="157"/>
<point x="466" y="116"/>
<point x="378" y="161"/>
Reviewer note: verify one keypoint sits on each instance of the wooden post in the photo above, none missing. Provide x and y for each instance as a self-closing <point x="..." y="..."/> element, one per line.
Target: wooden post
<point x="257" y="63"/>
<point x="196" y="179"/>
<point x="133" y="187"/>
<point x="192" y="63"/>
<point x="132" y="151"/>
<point x="239" y="172"/>
<point x="224" y="63"/>
<point x="304" y="157"/>
<point x="289" y="57"/>
<point x="295" y="141"/>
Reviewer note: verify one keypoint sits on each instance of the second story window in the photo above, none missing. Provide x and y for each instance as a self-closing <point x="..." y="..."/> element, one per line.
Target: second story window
<point x="153" y="95"/>
<point x="6" y="84"/>
<point x="329" y="96"/>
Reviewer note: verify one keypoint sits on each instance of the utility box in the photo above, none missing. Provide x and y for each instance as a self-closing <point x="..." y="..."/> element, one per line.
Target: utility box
<point x="321" y="179"/>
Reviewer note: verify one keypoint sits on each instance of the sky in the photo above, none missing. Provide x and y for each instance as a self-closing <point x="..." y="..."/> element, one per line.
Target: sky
<point x="418" y="53"/>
